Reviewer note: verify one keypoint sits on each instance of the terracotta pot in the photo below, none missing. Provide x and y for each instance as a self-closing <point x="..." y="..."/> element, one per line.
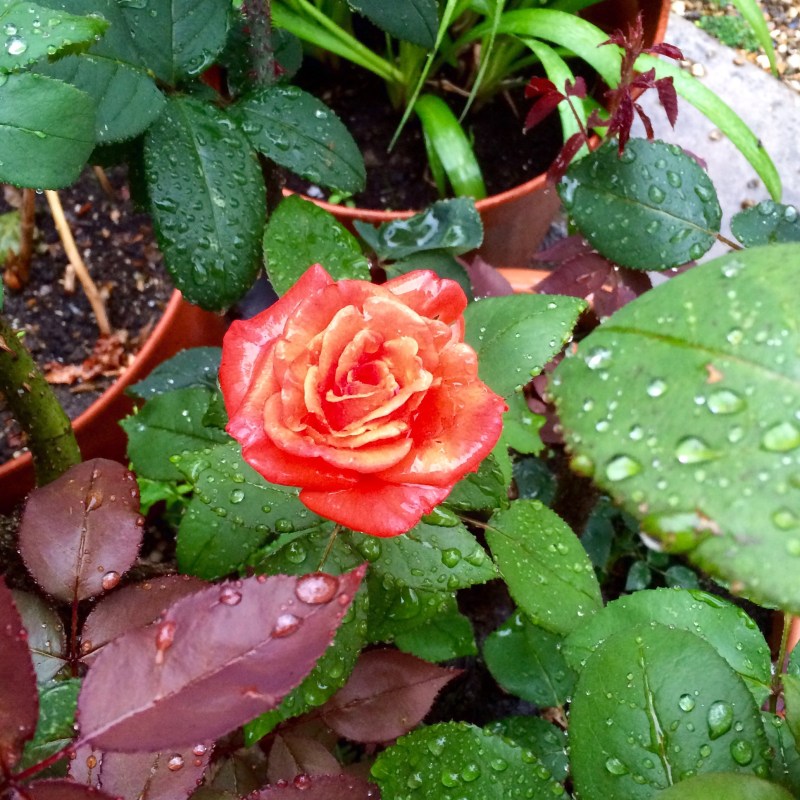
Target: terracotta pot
<point x="516" y="221"/>
<point x="182" y="325"/>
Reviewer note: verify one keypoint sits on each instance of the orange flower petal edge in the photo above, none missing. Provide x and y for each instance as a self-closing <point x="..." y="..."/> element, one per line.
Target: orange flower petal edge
<point x="363" y="396"/>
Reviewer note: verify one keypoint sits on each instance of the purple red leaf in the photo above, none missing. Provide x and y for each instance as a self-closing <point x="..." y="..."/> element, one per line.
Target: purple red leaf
<point x="215" y="660"/>
<point x="81" y="532"/>
<point x="388" y="694"/>
<point x="486" y="280"/>
<point x="19" y="700"/>
<point x="59" y="789"/>
<point x="131" y="607"/>
<point x="291" y="756"/>
<point x="329" y="787"/>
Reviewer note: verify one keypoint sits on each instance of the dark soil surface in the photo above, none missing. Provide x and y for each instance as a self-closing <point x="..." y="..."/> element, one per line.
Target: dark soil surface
<point x="400" y="179"/>
<point x="118" y="248"/>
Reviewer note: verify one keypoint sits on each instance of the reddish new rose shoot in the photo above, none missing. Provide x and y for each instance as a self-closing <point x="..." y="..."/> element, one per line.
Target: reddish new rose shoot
<point x="364" y="396"/>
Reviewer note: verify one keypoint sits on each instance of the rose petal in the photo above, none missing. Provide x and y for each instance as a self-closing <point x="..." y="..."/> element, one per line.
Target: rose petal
<point x="429" y="295"/>
<point x="374" y="507"/>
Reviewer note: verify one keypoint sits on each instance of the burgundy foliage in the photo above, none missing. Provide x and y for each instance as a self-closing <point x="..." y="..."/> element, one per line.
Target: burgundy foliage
<point x="19" y="701"/>
<point x="622" y="100"/>
<point x="46" y="639"/>
<point x="329" y="787"/>
<point x="486" y="280"/>
<point x="58" y="789"/>
<point x="132" y="607"/>
<point x="215" y="660"/>
<point x="81" y="532"/>
<point x="388" y="694"/>
<point x="291" y="756"/>
<point x="170" y="775"/>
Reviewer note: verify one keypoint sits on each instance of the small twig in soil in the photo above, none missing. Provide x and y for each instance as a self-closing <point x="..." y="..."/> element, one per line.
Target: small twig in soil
<point x="105" y="183"/>
<point x="18" y="265"/>
<point x="70" y="248"/>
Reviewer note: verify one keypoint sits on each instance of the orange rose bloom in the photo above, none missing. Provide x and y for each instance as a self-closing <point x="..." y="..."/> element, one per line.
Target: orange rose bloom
<point x="364" y="396"/>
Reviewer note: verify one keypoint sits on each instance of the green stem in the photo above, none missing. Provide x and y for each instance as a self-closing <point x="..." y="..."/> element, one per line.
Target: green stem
<point x="780" y="665"/>
<point x="34" y="405"/>
<point x="259" y="21"/>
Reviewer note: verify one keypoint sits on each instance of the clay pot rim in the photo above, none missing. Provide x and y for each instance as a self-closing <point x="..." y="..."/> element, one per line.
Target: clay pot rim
<point x="97" y="408"/>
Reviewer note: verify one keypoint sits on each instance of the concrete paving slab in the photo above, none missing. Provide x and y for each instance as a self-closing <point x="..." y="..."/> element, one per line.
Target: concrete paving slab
<point x="769" y="108"/>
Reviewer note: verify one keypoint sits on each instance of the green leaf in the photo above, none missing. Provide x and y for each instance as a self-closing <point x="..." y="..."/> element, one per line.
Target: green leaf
<point x="639" y="577"/>
<point x="696" y="385"/>
<point x="126" y="97"/>
<point x="450" y="225"/>
<point x="516" y="336"/>
<point x="207" y="201"/>
<point x="177" y="38"/>
<point x="725" y="627"/>
<point x="791" y="700"/>
<point x="446" y="636"/>
<point x="527" y="662"/>
<point x="731" y="786"/>
<point x="299" y="234"/>
<point x="443" y="264"/>
<point x="484" y="490"/>
<point x="547" y="571"/>
<point x="56" y="726"/>
<point x="301" y="557"/>
<point x="548" y="742"/>
<point x="445" y="137"/>
<point x="535" y="481"/>
<point x="521" y="426"/>
<point x="46" y="131"/>
<point x="468" y="761"/>
<point x="299" y="132"/>
<point x="671" y="719"/>
<point x="678" y="576"/>
<point x="166" y="426"/>
<point x="248" y="514"/>
<point x="413" y="21"/>
<point x="428" y="557"/>
<point x="197" y="366"/>
<point x="33" y="33"/>
<point x="786" y="761"/>
<point x="653" y="207"/>
<point x="766" y="223"/>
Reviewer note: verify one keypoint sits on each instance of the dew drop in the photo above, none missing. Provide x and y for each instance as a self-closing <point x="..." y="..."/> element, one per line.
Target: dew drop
<point x="615" y="767"/>
<point x="719" y="719"/>
<point x="784" y="518"/>
<point x="470" y="773"/>
<point x="451" y="557"/>
<point x="724" y="401"/>
<point x="598" y="357"/>
<point x="236" y="496"/>
<point x="165" y="634"/>
<point x="656" y="194"/>
<point x="230" y="597"/>
<point x="781" y="438"/>
<point x="656" y="388"/>
<point x="686" y="702"/>
<point x="199" y="750"/>
<point x="16" y="45"/>
<point x="742" y="751"/>
<point x="175" y="763"/>
<point x="693" y="450"/>
<point x="316" y="588"/>
<point x="109" y="580"/>
<point x="91" y="761"/>
<point x="622" y="467"/>
<point x="285" y="625"/>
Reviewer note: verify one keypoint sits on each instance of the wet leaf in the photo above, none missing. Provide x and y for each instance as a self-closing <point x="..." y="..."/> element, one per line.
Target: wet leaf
<point x="387" y="695"/>
<point x="46" y="131"/>
<point x="61" y="789"/>
<point x="547" y="571"/>
<point x="300" y="234"/>
<point x="215" y="660"/>
<point x="766" y="223"/>
<point x="196" y="367"/>
<point x="474" y="764"/>
<point x="169" y="775"/>
<point x="484" y="490"/>
<point x="785" y="768"/>
<point x="682" y="406"/>
<point x="446" y="636"/>
<point x="34" y="33"/>
<point x="527" y="662"/>
<point x="234" y="514"/>
<point x="301" y="134"/>
<point x="450" y="225"/>
<point x="46" y="638"/>
<point x="131" y="607"/>
<point x="199" y="169"/>
<point x="652" y="208"/>
<point x="413" y="21"/>
<point x="167" y="426"/>
<point x="79" y="534"/>
<point x="19" y="702"/>
<point x="671" y="720"/>
<point x="290" y="756"/>
<point x="56" y="726"/>
<point x="728" y="629"/>
<point x="443" y="264"/>
<point x="516" y="336"/>
<point x="727" y="785"/>
<point x="791" y="700"/>
<point x="325" y="787"/>
<point x="548" y="742"/>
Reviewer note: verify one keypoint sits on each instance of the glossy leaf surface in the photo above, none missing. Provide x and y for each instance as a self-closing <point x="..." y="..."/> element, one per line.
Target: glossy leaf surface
<point x="299" y="132"/>
<point x="61" y="789"/>
<point x="215" y="660"/>
<point x="300" y="234"/>
<point x="414" y="21"/>
<point x="197" y="366"/>
<point x="767" y="223"/>
<point x="46" y="638"/>
<point x="653" y="207"/>
<point x="682" y="405"/>
<point x="322" y="787"/>
<point x="446" y="636"/>
<point x="671" y="719"/>
<point x="547" y="570"/>
<point x="81" y="533"/>
<point x="56" y="726"/>
<point x="199" y="167"/>
<point x="727" y="785"/>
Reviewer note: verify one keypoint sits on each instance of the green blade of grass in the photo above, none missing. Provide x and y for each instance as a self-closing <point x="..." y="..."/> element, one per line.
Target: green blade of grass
<point x="752" y="14"/>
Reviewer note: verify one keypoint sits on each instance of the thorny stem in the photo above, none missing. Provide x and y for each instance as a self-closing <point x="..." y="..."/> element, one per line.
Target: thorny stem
<point x="259" y="21"/>
<point x="329" y="546"/>
<point x="75" y="260"/>
<point x="777" y="683"/>
<point x="34" y="405"/>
